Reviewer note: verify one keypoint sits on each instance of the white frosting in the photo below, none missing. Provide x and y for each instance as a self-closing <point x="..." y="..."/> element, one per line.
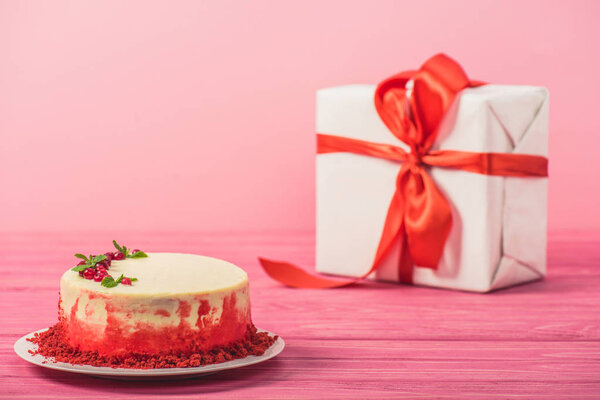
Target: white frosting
<point x="166" y="274"/>
<point x="165" y="282"/>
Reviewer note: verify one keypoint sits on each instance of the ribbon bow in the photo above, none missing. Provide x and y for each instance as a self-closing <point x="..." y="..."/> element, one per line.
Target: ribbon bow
<point x="419" y="215"/>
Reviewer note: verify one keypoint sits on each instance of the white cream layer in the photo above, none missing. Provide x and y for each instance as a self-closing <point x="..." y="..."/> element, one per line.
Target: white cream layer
<point x="164" y="281"/>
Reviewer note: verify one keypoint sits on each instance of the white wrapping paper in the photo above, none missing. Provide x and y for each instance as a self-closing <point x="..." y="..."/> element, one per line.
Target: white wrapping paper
<point x="498" y="237"/>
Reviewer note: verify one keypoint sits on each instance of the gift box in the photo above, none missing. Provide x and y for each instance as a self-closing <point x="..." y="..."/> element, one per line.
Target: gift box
<point x="429" y="178"/>
<point x="498" y="233"/>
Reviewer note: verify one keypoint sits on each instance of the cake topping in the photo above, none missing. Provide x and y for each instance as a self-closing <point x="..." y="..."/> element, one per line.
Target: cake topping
<point x="109" y="281"/>
<point x="124" y="252"/>
<point x="88" y="262"/>
<point x="89" y="273"/>
<point x="96" y="267"/>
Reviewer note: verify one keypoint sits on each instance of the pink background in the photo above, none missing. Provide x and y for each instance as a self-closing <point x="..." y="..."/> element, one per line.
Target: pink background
<point x="200" y="115"/>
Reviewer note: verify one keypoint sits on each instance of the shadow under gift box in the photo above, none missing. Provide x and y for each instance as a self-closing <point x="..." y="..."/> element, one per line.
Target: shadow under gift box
<point x="498" y="235"/>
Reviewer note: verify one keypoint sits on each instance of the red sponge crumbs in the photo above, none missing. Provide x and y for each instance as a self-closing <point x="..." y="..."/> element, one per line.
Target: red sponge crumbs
<point x="52" y="343"/>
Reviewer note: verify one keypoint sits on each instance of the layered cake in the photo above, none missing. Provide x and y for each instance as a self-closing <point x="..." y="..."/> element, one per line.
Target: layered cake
<point x="137" y="309"/>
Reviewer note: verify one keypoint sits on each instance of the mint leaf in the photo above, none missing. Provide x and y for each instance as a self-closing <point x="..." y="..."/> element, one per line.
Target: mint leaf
<point x="109" y="282"/>
<point x="78" y="268"/>
<point x="81" y="256"/>
<point x="99" y="258"/>
<point x="138" y="254"/>
<point x="133" y="279"/>
<point x="118" y="247"/>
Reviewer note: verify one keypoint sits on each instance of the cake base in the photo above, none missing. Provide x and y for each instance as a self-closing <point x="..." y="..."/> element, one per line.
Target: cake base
<point x="52" y="343"/>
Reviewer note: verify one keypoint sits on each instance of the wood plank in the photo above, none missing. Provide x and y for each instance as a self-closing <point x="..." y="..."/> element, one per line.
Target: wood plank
<point x="539" y="341"/>
<point x="385" y="368"/>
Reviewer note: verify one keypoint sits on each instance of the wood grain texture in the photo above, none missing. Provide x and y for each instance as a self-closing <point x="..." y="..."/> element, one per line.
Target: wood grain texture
<point x="375" y="340"/>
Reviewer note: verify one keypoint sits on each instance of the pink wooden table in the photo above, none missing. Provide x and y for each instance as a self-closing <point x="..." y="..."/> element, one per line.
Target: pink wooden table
<point x="373" y="341"/>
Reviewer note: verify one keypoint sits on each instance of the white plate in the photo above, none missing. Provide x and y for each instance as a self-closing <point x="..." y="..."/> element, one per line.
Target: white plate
<point x="22" y="347"/>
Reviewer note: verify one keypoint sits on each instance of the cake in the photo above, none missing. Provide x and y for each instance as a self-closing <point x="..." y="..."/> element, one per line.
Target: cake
<point x="130" y="306"/>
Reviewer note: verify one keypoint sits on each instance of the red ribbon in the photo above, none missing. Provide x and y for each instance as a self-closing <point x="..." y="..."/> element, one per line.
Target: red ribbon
<point x="419" y="214"/>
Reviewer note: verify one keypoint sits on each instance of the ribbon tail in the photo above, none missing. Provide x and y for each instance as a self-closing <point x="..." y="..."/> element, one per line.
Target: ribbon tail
<point x="294" y="276"/>
<point x="406" y="263"/>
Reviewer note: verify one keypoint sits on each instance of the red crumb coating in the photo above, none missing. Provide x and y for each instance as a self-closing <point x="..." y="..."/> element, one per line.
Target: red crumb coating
<point x="52" y="343"/>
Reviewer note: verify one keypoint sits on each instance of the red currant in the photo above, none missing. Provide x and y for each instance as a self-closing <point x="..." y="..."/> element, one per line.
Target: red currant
<point x="126" y="281"/>
<point x="89" y="273"/>
<point x="119" y="256"/>
<point x="100" y="274"/>
<point x="109" y="256"/>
